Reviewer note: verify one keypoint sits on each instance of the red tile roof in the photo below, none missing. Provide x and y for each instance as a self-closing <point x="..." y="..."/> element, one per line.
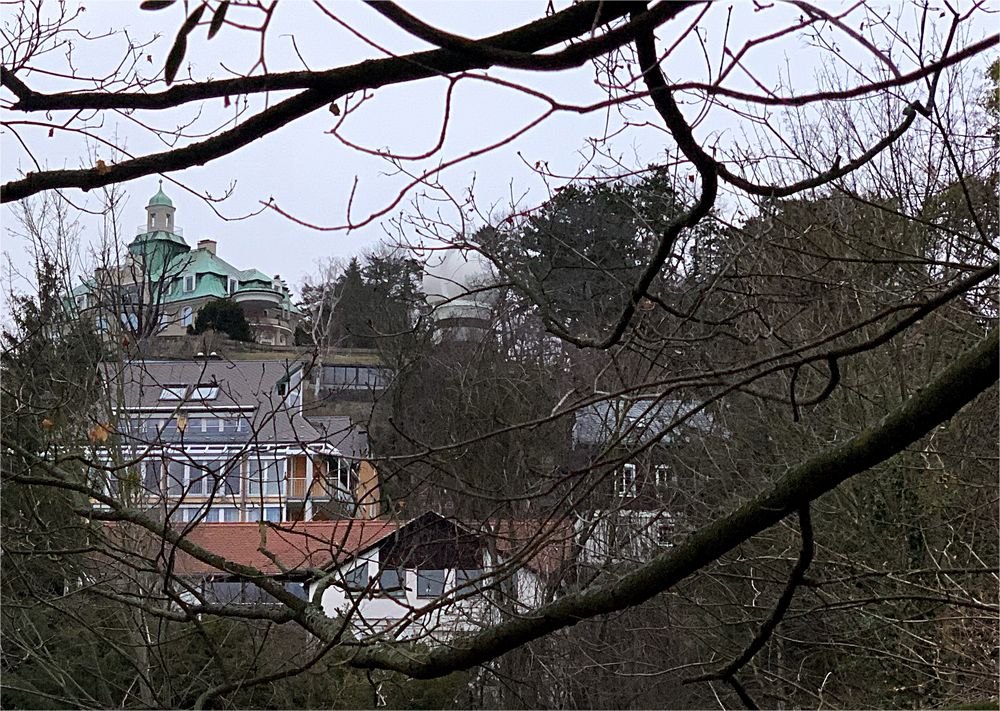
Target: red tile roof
<point x="294" y="545"/>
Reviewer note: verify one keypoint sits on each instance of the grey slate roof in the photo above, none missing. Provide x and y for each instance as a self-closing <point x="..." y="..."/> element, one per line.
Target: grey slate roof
<point x="246" y="389"/>
<point x="350" y="439"/>
<point x="634" y="421"/>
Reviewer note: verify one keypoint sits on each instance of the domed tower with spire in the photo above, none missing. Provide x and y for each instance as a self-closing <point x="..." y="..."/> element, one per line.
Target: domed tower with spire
<point x="165" y="284"/>
<point x="159" y="241"/>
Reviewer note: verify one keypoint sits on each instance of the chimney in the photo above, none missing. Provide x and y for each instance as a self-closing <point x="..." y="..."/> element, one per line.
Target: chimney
<point x="207" y="244"/>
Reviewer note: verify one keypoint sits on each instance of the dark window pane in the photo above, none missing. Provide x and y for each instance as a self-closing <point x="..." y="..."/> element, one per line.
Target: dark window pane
<point x="232" y="477"/>
<point x="464" y="577"/>
<point x="430" y="583"/>
<point x="175" y="478"/>
<point x="392" y="583"/>
<point x="224" y="592"/>
<point x="356" y="578"/>
<point x="151" y="477"/>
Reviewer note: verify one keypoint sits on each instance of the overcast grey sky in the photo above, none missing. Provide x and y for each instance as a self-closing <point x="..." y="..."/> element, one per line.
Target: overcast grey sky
<point x="311" y="174"/>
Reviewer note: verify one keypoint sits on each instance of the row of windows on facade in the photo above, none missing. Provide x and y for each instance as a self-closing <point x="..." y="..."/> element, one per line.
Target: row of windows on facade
<point x="131" y="320"/>
<point x="352" y="377"/>
<point x="251" y="477"/>
<point x="393" y="583"/>
<point x="191" y="425"/>
<point x="627" y="483"/>
<point x="398" y="582"/>
<point x="190" y="283"/>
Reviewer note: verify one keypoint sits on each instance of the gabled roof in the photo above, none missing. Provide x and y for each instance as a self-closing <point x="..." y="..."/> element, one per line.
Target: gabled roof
<point x="300" y="545"/>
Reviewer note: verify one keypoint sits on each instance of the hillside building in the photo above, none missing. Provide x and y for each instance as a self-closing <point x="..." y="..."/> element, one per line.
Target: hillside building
<point x="161" y="284"/>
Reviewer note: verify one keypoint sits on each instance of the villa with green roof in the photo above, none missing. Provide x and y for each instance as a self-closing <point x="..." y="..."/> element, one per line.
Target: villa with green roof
<point x="164" y="283"/>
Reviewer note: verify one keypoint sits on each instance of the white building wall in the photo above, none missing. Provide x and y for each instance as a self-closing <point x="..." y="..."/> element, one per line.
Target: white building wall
<point x="410" y="616"/>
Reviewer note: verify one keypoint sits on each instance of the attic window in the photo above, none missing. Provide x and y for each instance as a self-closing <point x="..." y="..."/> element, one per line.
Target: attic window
<point x="173" y="392"/>
<point x="205" y="392"/>
<point x="189" y="283"/>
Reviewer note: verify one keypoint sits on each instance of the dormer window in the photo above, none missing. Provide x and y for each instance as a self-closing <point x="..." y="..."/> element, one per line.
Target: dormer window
<point x="173" y="392"/>
<point x="189" y="282"/>
<point x="233" y="285"/>
<point x="209" y="391"/>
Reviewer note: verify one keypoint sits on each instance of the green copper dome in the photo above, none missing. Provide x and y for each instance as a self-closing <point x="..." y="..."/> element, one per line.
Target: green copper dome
<point x="160" y="198"/>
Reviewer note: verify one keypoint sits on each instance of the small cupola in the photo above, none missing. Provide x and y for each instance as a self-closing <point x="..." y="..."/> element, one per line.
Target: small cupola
<point x="160" y="213"/>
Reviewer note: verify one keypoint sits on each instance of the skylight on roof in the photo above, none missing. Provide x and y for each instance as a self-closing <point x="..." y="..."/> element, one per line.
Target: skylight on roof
<point x="173" y="392"/>
<point x="205" y="392"/>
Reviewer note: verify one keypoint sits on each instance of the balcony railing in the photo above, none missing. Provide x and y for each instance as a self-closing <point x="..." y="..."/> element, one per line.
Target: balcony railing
<point x="250" y="295"/>
<point x="144" y="229"/>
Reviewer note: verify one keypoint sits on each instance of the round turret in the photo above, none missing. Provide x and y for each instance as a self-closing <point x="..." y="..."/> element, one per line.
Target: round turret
<point x="160" y="212"/>
<point x="452" y="283"/>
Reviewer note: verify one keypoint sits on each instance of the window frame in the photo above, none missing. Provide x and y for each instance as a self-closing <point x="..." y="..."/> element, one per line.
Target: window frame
<point x="661" y="473"/>
<point x="626" y="481"/>
<point x="357" y="580"/>
<point x="469" y="578"/>
<point x="398" y="592"/>
<point x="440" y="586"/>
<point x="258" y="486"/>
<point x="211" y="391"/>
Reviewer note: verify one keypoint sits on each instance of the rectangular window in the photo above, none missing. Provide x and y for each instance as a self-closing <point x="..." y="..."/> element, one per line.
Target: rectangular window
<point x="625" y="483"/>
<point x="223" y="514"/>
<point x="224" y="592"/>
<point x="465" y="577"/>
<point x="233" y="286"/>
<point x="205" y="392"/>
<point x="430" y="583"/>
<point x="392" y="582"/>
<point x="190" y="513"/>
<point x="189" y="282"/>
<point x="200" y="479"/>
<point x="151" y="480"/>
<point x="271" y="513"/>
<point x="231" y="475"/>
<point x="173" y="392"/>
<point x="663" y="534"/>
<point x="265" y="476"/>
<point x="356" y="579"/>
<point x="662" y="476"/>
<point x="175" y="478"/>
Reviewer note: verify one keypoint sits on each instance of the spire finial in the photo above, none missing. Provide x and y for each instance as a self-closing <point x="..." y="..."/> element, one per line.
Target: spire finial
<point x="161" y="183"/>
